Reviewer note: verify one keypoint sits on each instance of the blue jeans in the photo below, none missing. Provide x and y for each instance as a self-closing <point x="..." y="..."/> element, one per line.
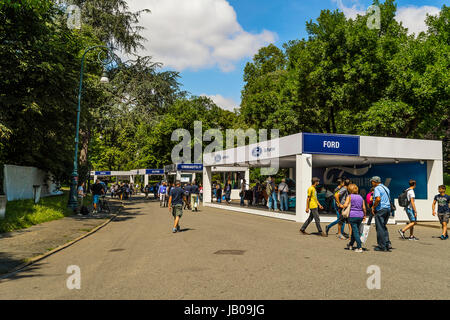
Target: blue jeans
<point x="381" y="220"/>
<point x="242" y="198"/>
<point x="337" y="220"/>
<point x="284" y="198"/>
<point x="355" y="223"/>
<point x="273" y="201"/>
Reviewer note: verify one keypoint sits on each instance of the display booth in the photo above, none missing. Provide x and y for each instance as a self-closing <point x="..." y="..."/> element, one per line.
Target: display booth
<point x="184" y="172"/>
<point x="148" y="173"/>
<point x="328" y="157"/>
<point x="119" y="175"/>
<point x="235" y="175"/>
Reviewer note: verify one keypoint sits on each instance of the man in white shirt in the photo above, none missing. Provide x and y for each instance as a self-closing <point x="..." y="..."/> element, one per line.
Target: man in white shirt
<point x="411" y="211"/>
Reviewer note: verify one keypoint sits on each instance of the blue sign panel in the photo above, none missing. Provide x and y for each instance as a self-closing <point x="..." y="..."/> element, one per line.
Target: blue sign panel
<point x="154" y="171"/>
<point x="190" y="167"/>
<point x="395" y="176"/>
<point x="330" y="144"/>
<point x="102" y="173"/>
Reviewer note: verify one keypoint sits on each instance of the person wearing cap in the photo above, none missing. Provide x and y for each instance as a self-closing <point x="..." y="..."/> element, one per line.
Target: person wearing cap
<point x="381" y="210"/>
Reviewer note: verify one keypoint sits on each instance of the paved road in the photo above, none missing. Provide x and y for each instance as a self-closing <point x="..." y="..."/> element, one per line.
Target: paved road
<point x="137" y="257"/>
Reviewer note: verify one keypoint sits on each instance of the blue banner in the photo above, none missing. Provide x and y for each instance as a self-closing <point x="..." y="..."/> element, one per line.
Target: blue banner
<point x="394" y="176"/>
<point x="102" y="173"/>
<point x="190" y="167"/>
<point x="154" y="171"/>
<point x="330" y="144"/>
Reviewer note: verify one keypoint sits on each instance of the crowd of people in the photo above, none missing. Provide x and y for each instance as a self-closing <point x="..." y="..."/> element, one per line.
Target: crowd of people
<point x="267" y="194"/>
<point x="352" y="209"/>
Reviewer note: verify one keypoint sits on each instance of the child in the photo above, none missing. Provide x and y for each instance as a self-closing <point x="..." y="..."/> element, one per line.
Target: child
<point x="443" y="201"/>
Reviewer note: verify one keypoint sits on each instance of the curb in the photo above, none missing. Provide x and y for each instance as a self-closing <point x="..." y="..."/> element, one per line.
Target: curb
<point x="61" y="247"/>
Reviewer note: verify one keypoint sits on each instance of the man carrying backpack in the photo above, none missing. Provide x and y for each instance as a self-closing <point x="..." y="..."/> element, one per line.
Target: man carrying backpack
<point x="407" y="200"/>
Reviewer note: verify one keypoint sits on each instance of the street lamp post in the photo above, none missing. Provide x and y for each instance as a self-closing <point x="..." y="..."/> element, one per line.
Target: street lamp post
<point x="73" y="186"/>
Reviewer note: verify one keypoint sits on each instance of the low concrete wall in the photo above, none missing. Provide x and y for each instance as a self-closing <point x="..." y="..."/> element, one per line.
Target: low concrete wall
<point x="19" y="181"/>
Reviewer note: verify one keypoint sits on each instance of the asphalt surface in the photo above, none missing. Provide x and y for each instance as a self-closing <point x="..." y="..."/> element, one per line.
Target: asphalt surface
<point x="137" y="257"/>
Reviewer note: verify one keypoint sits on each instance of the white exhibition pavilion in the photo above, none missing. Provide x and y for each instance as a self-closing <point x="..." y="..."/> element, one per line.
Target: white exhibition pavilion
<point x="329" y="156"/>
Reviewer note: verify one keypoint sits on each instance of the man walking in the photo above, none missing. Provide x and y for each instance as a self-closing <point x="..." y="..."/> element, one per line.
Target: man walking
<point x="283" y="190"/>
<point x="312" y="206"/>
<point x="411" y="211"/>
<point x="194" y="196"/>
<point x="340" y="196"/>
<point x="381" y="210"/>
<point x="176" y="205"/>
<point x="97" y="191"/>
<point x="162" y="194"/>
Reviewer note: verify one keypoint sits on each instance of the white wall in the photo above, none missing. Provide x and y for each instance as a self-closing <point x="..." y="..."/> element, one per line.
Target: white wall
<point x="400" y="148"/>
<point x="18" y="182"/>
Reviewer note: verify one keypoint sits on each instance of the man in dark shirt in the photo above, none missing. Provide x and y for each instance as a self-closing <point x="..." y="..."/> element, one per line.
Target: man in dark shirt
<point x="97" y="191"/>
<point x="187" y="196"/>
<point x="194" y="196"/>
<point x="176" y="205"/>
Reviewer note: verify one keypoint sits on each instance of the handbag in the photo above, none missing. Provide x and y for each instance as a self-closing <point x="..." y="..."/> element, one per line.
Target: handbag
<point x="346" y="211"/>
<point x="393" y="208"/>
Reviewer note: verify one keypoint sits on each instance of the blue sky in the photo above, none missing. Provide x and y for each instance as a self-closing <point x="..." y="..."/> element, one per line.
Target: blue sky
<point x="210" y="41"/>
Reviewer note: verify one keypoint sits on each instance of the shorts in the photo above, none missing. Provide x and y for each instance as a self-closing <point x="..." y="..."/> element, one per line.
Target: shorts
<point x="444" y="217"/>
<point x="177" y="210"/>
<point x="411" y="216"/>
<point x="96" y="198"/>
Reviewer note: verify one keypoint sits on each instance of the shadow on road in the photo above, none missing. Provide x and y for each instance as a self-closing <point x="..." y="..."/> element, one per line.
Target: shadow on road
<point x="7" y="263"/>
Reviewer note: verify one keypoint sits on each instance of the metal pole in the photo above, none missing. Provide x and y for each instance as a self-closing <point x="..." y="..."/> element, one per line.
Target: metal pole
<point x="73" y="186"/>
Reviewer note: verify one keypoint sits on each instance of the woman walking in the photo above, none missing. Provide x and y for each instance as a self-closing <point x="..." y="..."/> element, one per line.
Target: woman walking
<point x="356" y="217"/>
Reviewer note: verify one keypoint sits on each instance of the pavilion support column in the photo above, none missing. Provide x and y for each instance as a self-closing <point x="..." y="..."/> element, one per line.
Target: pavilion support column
<point x="291" y="173"/>
<point x="207" y="177"/>
<point x="247" y="178"/>
<point x="303" y="182"/>
<point x="145" y="180"/>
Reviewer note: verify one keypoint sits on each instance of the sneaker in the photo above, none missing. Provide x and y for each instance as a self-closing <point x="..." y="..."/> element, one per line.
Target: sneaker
<point x="341" y="237"/>
<point x="304" y="232"/>
<point x="178" y="228"/>
<point x="359" y="250"/>
<point x="381" y="249"/>
<point x="349" y="247"/>
<point x="402" y="234"/>
<point x="327" y="229"/>
<point x="323" y="234"/>
<point x="413" y="238"/>
<point x="442" y="237"/>
<point x="174" y="230"/>
<point x="446" y="237"/>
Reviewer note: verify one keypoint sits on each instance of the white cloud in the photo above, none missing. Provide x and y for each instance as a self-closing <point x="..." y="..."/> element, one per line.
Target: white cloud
<point x="412" y="17"/>
<point x="196" y="34"/>
<point x="351" y="12"/>
<point x="224" y="103"/>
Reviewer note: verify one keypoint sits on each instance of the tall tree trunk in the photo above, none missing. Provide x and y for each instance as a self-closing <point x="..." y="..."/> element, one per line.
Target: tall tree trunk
<point x="84" y="169"/>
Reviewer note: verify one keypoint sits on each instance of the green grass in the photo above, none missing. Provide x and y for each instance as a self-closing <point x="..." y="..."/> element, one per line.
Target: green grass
<point x="23" y="214"/>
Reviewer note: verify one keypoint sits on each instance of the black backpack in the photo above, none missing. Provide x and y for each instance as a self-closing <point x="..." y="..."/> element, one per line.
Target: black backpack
<point x="84" y="211"/>
<point x="403" y="199"/>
